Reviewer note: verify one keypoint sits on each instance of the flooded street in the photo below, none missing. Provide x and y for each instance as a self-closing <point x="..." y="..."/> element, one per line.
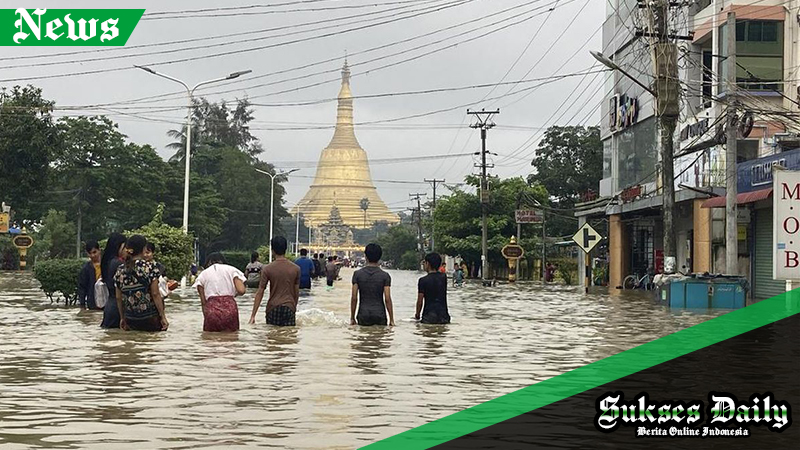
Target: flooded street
<point x="66" y="383"/>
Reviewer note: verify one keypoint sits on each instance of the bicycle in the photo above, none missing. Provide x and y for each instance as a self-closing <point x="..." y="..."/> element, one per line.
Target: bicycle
<point x="634" y="282"/>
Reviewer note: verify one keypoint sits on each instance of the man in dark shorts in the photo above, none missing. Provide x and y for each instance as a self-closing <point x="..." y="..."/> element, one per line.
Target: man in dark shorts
<point x="283" y="277"/>
<point x="372" y="286"/>
<point x="432" y="293"/>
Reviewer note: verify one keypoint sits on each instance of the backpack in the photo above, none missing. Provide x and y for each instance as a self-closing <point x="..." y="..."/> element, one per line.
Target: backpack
<point x="100" y="293"/>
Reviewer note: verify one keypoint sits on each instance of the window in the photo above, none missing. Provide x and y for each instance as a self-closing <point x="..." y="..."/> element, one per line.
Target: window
<point x="637" y="154"/>
<point x="607" y="158"/>
<point x="746" y="150"/>
<point x="707" y="80"/>
<point x="757" y="31"/>
<point x="759" y="54"/>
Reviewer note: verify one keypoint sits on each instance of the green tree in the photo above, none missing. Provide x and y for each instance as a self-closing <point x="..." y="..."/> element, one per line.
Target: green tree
<point x="458" y="219"/>
<point x="230" y="201"/>
<point x="56" y="237"/>
<point x="217" y="125"/>
<point x="174" y="249"/>
<point x="28" y="139"/>
<point x="399" y="244"/>
<point x="118" y="183"/>
<point x="568" y="163"/>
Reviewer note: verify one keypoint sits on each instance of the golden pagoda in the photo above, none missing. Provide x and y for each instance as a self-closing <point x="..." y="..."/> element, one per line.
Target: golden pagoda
<point x="343" y="178"/>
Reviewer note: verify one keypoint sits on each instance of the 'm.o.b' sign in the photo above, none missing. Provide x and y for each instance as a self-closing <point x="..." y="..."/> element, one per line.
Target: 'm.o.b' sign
<point x="786" y="224"/>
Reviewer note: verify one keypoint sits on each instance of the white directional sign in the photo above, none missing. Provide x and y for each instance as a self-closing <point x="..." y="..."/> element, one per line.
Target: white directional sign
<point x="587" y="237"/>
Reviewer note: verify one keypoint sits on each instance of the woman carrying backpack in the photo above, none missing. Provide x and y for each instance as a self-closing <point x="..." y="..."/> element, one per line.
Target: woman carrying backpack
<point x="138" y="297"/>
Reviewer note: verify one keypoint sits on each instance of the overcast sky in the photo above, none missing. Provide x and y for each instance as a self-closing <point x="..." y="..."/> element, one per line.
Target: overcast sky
<point x="485" y="60"/>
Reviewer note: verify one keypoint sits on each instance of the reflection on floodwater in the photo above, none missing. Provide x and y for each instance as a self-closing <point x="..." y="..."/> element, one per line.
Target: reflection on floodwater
<point x="321" y="385"/>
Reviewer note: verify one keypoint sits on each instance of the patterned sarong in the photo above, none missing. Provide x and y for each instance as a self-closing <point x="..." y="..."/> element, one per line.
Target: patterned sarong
<point x="221" y="314"/>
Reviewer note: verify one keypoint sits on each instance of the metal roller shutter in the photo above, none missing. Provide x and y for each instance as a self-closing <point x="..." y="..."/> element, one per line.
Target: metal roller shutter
<point x="763" y="284"/>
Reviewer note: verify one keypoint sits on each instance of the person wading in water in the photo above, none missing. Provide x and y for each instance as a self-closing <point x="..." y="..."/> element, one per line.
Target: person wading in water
<point x="306" y="269"/>
<point x="113" y="257"/>
<point x="253" y="271"/>
<point x="372" y="286"/>
<point x="283" y="277"/>
<point x="432" y="290"/>
<point x="138" y="297"/>
<point x="217" y="286"/>
<point x="90" y="273"/>
<point x="330" y="271"/>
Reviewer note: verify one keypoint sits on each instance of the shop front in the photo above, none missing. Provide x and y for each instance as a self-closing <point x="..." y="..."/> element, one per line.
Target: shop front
<point x="754" y="199"/>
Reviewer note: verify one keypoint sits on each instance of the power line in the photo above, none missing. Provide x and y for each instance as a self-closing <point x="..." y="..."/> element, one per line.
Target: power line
<point x="449" y="5"/>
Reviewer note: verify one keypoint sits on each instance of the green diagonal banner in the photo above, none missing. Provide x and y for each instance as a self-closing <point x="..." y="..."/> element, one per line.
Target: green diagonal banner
<point x="595" y="374"/>
<point x="67" y="27"/>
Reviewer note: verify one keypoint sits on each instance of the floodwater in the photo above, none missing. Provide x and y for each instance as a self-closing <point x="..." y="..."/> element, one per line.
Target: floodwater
<point x="66" y="383"/>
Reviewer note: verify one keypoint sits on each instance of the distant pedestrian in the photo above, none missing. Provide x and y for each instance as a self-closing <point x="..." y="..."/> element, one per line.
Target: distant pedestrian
<point x="138" y="297"/>
<point x="549" y="272"/>
<point x="217" y="286"/>
<point x="371" y="291"/>
<point x="464" y="269"/>
<point x="283" y="277"/>
<point x="253" y="271"/>
<point x="432" y="293"/>
<point x="323" y="266"/>
<point x="317" y="266"/>
<point x="458" y="276"/>
<point x="90" y="273"/>
<point x="443" y="268"/>
<point x="330" y="271"/>
<point x="306" y="269"/>
<point x="338" y="265"/>
<point x="165" y="285"/>
<point x="114" y="256"/>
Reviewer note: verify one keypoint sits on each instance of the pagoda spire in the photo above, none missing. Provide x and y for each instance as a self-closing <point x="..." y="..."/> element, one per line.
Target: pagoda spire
<point x="344" y="136"/>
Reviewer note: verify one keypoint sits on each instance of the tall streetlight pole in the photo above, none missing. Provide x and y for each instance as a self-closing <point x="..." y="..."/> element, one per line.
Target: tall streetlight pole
<point x="190" y="94"/>
<point x="272" y="199"/>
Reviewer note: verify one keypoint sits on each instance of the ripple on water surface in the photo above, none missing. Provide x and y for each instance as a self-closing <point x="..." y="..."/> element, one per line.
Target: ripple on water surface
<point x="321" y="385"/>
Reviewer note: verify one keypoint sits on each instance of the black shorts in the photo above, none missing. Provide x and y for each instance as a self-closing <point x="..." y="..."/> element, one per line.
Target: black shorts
<point x="282" y="316"/>
<point x="435" y="318"/>
<point x="371" y="319"/>
<point x="330" y="281"/>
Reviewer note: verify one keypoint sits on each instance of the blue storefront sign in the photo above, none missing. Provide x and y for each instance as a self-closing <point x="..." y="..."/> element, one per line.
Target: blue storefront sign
<point x="756" y="174"/>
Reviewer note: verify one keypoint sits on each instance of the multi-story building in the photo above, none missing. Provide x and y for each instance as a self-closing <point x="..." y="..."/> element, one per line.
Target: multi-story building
<point x="766" y="88"/>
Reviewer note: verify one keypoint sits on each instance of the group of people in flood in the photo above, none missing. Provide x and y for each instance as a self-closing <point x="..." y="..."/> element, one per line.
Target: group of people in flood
<point x="129" y="287"/>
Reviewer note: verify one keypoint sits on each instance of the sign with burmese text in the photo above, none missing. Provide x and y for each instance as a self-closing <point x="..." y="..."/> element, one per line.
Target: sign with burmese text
<point x="67" y="27"/>
<point x="786" y="225"/>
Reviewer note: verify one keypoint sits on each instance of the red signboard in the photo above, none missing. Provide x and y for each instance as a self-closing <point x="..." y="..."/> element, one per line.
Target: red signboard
<point x="528" y="216"/>
<point x="659" y="257"/>
<point x="631" y="193"/>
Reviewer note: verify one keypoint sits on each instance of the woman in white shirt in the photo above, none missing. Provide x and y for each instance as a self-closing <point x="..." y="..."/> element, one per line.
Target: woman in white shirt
<point x="217" y="285"/>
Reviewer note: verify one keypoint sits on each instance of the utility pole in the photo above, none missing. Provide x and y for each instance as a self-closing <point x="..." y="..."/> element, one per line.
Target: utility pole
<point x="484" y="123"/>
<point x="80" y="226"/>
<point x="667" y="88"/>
<point x="433" y="211"/>
<point x="418" y="211"/>
<point x="731" y="231"/>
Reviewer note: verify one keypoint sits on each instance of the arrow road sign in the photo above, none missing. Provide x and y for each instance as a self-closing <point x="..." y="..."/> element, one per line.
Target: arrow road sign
<point x="587" y="237"/>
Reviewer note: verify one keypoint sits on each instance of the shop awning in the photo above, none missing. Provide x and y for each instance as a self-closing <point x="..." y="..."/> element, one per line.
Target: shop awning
<point x="747" y="197"/>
